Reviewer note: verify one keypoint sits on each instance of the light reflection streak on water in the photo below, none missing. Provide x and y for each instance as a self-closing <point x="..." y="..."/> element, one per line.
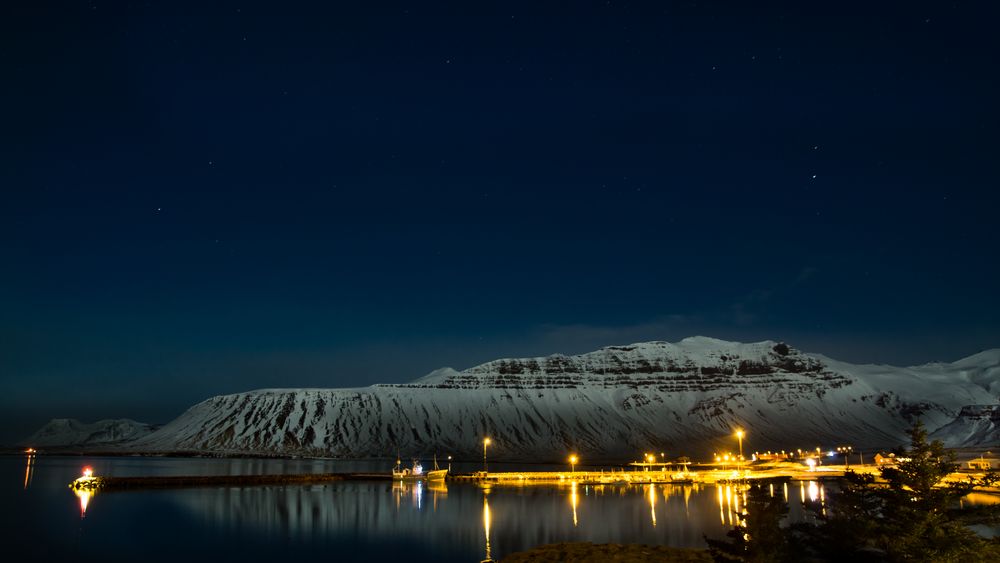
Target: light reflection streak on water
<point x="822" y="499"/>
<point x="740" y="492"/>
<point x="574" y="499"/>
<point x="743" y="512"/>
<point x="84" y="495"/>
<point x="975" y="499"/>
<point x="487" y="519"/>
<point x="729" y="504"/>
<point x="722" y="506"/>
<point x="785" y="487"/>
<point x="652" y="504"/>
<point x="813" y="491"/>
<point x="29" y="470"/>
<point x="437" y="489"/>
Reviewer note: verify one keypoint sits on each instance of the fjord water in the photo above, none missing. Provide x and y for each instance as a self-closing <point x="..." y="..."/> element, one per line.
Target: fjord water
<point x="345" y="521"/>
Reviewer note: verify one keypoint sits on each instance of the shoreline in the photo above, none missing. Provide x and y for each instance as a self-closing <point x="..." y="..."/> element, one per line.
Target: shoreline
<point x="498" y="479"/>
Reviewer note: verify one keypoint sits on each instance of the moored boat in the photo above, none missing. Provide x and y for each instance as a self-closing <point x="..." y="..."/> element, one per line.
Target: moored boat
<point x="417" y="473"/>
<point x="437" y="474"/>
<point x="682" y="478"/>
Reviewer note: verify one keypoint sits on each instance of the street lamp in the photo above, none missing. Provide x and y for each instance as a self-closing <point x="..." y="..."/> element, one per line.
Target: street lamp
<point x="739" y="462"/>
<point x="572" y="463"/>
<point x="486" y="442"/>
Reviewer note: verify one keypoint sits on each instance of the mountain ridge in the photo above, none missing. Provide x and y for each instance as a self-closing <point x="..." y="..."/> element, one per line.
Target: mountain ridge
<point x="613" y="401"/>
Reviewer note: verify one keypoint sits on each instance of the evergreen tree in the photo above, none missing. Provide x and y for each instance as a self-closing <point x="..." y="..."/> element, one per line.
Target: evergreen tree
<point x="913" y="516"/>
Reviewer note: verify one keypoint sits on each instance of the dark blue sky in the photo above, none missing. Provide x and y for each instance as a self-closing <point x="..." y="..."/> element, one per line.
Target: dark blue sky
<point x="202" y="199"/>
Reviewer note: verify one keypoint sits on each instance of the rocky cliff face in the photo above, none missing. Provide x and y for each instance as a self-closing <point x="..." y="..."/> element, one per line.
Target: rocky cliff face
<point x="975" y="425"/>
<point x="684" y="397"/>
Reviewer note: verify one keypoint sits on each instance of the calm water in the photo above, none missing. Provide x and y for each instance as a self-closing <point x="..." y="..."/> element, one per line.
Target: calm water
<point x="353" y="521"/>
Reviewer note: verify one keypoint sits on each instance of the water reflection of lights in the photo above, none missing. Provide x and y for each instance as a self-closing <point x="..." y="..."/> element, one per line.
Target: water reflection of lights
<point x="29" y="470"/>
<point x="84" y="495"/>
<point x="980" y="499"/>
<point x="416" y="490"/>
<point x="437" y="489"/>
<point x="729" y="504"/>
<point x="817" y="492"/>
<point x="574" y="499"/>
<point x="732" y="504"/>
<point x="487" y="520"/>
<point x="722" y="506"/>
<point x="652" y="504"/>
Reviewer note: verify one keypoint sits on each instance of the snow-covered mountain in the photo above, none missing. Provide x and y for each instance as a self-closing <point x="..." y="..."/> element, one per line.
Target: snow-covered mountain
<point x="684" y="398"/>
<point x="975" y="425"/>
<point x="62" y="432"/>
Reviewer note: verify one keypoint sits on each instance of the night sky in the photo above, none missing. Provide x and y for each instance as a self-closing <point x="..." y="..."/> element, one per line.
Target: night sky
<point x="201" y="199"/>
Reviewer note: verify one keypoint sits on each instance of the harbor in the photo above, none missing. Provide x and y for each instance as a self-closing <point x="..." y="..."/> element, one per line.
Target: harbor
<point x="88" y="481"/>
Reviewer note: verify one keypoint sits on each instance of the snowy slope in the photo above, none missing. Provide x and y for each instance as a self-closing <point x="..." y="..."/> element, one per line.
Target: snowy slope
<point x="975" y="425"/>
<point x="60" y="432"/>
<point x="679" y="397"/>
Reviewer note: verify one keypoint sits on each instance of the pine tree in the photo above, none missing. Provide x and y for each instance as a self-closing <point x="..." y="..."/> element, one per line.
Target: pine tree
<point x="913" y="516"/>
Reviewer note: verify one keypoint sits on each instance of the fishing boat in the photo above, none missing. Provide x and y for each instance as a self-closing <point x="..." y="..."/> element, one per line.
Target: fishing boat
<point x="417" y="473"/>
<point x="682" y="478"/>
<point x="437" y="474"/>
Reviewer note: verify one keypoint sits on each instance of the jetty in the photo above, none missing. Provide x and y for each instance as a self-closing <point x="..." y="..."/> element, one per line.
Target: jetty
<point x="95" y="483"/>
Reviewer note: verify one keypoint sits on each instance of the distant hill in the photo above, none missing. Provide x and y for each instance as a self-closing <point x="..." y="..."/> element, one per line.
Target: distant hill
<point x="63" y="432"/>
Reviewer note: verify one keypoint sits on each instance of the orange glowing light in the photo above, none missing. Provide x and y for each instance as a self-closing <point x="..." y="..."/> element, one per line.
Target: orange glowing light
<point x="84" y="496"/>
<point x="574" y="500"/>
<point x="487" y="520"/>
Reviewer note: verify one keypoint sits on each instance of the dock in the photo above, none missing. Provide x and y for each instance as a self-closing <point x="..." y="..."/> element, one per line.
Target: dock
<point x="175" y="482"/>
<point x="519" y="478"/>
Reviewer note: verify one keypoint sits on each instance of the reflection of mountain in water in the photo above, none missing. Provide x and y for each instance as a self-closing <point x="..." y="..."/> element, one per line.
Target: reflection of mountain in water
<point x="518" y="518"/>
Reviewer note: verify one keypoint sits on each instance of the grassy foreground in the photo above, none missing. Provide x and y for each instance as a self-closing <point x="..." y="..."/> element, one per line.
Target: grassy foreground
<point x="586" y="552"/>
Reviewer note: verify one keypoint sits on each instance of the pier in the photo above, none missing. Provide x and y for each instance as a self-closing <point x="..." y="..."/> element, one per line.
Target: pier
<point x="513" y="478"/>
<point x="89" y="482"/>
